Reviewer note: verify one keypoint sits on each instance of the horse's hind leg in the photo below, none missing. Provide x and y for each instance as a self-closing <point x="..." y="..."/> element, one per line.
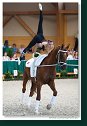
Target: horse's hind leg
<point x="38" y="86"/>
<point x="25" y="79"/>
<point x="53" y="99"/>
<point x="32" y="90"/>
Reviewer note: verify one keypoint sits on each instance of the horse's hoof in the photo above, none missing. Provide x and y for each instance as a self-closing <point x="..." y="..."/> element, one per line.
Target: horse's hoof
<point x="49" y="106"/>
<point x="23" y="102"/>
<point x="22" y="98"/>
<point x="28" y="106"/>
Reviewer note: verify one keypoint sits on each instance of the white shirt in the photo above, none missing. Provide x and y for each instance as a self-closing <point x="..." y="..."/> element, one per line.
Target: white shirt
<point x="21" y="50"/>
<point x="6" y="58"/>
<point x="70" y="57"/>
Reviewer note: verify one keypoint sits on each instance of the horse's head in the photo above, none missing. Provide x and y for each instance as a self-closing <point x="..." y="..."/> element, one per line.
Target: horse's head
<point x="61" y="56"/>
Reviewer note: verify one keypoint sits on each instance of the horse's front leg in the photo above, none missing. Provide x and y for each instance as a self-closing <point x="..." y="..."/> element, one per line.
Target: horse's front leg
<point x="38" y="98"/>
<point x="53" y="99"/>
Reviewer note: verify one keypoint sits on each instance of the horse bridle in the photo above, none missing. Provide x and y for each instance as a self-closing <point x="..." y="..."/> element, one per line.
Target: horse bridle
<point x="58" y="57"/>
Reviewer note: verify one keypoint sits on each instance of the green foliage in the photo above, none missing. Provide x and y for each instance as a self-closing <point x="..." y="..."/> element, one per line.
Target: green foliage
<point x="63" y="73"/>
<point x="36" y="55"/>
<point x="10" y="52"/>
<point x="8" y="75"/>
<point x="19" y="74"/>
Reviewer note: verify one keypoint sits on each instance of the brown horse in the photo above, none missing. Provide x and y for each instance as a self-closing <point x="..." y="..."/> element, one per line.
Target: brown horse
<point x="45" y="75"/>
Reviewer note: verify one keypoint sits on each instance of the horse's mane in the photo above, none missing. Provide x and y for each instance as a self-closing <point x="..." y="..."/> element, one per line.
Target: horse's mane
<point x="52" y="53"/>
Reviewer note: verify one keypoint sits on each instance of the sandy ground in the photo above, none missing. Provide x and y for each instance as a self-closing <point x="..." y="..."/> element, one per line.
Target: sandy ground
<point x="67" y="104"/>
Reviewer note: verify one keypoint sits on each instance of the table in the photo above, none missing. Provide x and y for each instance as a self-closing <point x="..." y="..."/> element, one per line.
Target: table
<point x="13" y="65"/>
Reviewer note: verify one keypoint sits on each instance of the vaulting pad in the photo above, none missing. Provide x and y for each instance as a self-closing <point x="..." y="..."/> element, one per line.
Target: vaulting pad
<point x="34" y="63"/>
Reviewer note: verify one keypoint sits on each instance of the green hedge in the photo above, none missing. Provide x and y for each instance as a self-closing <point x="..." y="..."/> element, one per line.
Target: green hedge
<point x="9" y="77"/>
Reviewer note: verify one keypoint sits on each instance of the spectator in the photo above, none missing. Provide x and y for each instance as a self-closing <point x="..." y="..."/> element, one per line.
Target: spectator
<point x="75" y="55"/>
<point x="76" y="44"/>
<point x="15" y="50"/>
<point x="6" y="57"/>
<point x="70" y="56"/>
<point x="22" y="57"/>
<point x="15" y="57"/>
<point x="5" y="47"/>
<point x="10" y="52"/>
<point x="21" y="48"/>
